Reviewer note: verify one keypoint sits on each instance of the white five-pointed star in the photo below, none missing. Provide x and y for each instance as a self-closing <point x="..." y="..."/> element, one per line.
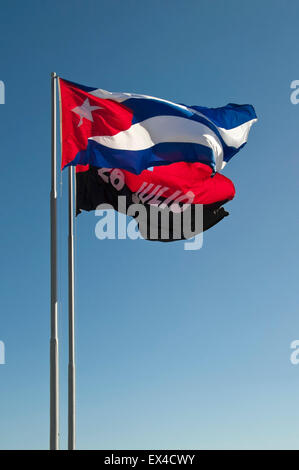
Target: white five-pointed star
<point x="85" y="111"/>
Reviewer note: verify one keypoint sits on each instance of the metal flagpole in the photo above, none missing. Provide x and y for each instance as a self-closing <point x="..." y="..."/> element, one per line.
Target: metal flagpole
<point x="71" y="367"/>
<point x="54" y="378"/>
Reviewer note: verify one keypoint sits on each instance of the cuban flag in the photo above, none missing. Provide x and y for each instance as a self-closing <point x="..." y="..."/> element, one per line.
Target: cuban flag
<point x="135" y="132"/>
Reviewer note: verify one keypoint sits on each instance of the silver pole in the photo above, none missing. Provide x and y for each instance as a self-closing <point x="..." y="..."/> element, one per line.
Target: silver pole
<point x="54" y="372"/>
<point x="72" y="366"/>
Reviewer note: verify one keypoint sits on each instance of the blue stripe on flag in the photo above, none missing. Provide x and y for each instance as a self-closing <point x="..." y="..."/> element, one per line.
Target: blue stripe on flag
<point x="136" y="161"/>
<point x="227" y="117"/>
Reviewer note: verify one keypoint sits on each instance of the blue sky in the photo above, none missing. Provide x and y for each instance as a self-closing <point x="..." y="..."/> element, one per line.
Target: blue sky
<point x="175" y="349"/>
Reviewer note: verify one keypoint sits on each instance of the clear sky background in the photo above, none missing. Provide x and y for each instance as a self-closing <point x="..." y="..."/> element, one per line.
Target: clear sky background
<point x="175" y="349"/>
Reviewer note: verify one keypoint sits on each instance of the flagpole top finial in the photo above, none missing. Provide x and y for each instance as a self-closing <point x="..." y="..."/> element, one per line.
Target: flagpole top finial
<point x="53" y="75"/>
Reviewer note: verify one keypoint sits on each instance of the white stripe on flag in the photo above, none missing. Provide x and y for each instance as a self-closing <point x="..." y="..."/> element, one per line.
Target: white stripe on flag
<point x="234" y="137"/>
<point x="163" y="129"/>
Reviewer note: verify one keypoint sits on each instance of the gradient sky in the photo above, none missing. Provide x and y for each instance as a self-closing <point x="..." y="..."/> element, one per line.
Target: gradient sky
<point x="175" y="349"/>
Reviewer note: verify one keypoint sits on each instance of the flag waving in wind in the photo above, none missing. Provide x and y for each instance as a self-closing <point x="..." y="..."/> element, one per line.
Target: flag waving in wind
<point x="134" y="132"/>
<point x="171" y="189"/>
